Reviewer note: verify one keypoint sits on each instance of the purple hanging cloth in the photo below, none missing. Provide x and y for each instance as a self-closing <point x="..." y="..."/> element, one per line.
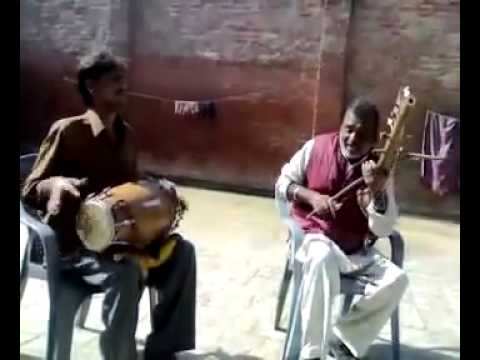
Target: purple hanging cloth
<point x="441" y="137"/>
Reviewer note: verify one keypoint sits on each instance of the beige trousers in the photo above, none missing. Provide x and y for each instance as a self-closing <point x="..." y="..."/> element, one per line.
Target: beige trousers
<point x="323" y="262"/>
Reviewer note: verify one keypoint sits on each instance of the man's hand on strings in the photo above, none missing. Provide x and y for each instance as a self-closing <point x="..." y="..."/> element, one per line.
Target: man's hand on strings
<point x="374" y="177"/>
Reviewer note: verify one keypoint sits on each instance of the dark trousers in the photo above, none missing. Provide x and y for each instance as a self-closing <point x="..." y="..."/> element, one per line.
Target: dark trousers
<point x="122" y="284"/>
<point x="174" y="316"/>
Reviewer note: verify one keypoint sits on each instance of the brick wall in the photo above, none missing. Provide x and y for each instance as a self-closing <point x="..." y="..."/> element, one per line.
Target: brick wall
<point x="258" y="61"/>
<point x="213" y="49"/>
<point x="268" y="32"/>
<point x="413" y="42"/>
<point x="53" y="34"/>
<point x="74" y="26"/>
<point x="408" y="42"/>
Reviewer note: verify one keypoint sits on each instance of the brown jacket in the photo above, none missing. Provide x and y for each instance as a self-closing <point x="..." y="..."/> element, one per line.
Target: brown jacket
<point x="81" y="147"/>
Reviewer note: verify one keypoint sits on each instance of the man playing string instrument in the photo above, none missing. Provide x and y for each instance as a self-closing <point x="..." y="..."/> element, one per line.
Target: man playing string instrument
<point x="85" y="154"/>
<point x="337" y="234"/>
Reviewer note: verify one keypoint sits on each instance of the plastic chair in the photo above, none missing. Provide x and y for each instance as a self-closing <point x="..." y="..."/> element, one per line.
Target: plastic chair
<point x="24" y="257"/>
<point x="349" y="286"/>
<point x="65" y="297"/>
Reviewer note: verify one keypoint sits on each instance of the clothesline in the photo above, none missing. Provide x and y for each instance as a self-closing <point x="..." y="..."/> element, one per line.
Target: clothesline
<point x="217" y="99"/>
<point x="164" y="99"/>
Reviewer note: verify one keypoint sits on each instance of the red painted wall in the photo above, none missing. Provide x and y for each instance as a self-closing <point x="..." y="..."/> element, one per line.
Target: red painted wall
<point x="258" y="121"/>
<point x="257" y="60"/>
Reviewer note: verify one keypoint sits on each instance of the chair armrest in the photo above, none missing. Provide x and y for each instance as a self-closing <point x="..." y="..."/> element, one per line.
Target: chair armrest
<point x="282" y="205"/>
<point x="296" y="233"/>
<point x="295" y="238"/>
<point x="44" y="232"/>
<point x="397" y="245"/>
<point x="48" y="239"/>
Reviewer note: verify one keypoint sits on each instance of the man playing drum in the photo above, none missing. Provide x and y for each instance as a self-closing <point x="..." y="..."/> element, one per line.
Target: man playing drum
<point x="85" y="154"/>
<point x="336" y="235"/>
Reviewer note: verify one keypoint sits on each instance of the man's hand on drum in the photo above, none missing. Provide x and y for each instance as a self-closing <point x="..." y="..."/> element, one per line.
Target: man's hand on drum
<point x="60" y="188"/>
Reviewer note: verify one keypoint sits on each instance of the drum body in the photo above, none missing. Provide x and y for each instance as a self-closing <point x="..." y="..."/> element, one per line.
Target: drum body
<point x="134" y="213"/>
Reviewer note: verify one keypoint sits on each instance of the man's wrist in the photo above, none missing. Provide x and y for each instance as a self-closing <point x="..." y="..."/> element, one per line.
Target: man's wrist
<point x="295" y="191"/>
<point x="292" y="192"/>
<point x="44" y="188"/>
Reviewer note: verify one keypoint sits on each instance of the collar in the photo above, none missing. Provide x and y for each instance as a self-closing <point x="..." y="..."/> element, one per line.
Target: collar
<point x="97" y="124"/>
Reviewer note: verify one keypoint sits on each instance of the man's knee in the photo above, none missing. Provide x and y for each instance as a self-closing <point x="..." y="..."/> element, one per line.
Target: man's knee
<point x="401" y="280"/>
<point x="396" y="278"/>
<point x="122" y="294"/>
<point x="319" y="252"/>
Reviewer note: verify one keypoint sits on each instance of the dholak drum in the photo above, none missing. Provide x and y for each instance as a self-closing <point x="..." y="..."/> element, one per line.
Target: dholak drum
<point x="134" y="213"/>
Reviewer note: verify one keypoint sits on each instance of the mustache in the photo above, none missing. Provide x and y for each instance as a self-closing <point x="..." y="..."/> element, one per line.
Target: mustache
<point x="352" y="145"/>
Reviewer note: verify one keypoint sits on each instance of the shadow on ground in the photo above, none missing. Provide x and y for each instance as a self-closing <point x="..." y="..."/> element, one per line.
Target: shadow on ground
<point x="218" y="355"/>
<point x="384" y="352"/>
<point x="29" y="357"/>
<point x="213" y="355"/>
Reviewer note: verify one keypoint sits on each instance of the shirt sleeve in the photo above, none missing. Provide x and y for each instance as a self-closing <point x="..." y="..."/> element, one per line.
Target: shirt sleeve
<point x="294" y="170"/>
<point x="381" y="224"/>
<point x="131" y="149"/>
<point x="45" y="166"/>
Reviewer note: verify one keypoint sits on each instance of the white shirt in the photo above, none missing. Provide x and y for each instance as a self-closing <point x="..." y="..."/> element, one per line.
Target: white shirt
<point x="294" y="172"/>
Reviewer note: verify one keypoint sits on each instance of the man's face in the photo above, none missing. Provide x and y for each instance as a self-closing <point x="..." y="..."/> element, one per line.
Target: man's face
<point x="357" y="137"/>
<point x="110" y="89"/>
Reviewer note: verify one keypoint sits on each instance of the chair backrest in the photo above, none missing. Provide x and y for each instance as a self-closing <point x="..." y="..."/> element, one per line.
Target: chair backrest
<point x="283" y="206"/>
<point x="26" y="165"/>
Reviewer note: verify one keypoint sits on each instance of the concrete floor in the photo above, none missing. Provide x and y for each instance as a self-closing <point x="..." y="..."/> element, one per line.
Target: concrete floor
<point x="241" y="250"/>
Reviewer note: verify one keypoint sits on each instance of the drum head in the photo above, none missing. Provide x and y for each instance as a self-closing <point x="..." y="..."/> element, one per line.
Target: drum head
<point x="95" y="225"/>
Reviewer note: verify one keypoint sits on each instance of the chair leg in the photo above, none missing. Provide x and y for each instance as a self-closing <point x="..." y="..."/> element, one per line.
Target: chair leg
<point x="154" y="299"/>
<point x="347" y="303"/>
<point x="395" y="329"/>
<point x="82" y="315"/>
<point x="23" y="285"/>
<point x="24" y="269"/>
<point x="287" y="276"/>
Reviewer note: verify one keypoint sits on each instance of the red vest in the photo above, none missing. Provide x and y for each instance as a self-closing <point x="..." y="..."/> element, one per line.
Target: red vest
<point x="327" y="173"/>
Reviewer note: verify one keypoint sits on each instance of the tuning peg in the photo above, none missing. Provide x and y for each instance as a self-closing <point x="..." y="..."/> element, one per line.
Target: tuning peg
<point x="384" y="135"/>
